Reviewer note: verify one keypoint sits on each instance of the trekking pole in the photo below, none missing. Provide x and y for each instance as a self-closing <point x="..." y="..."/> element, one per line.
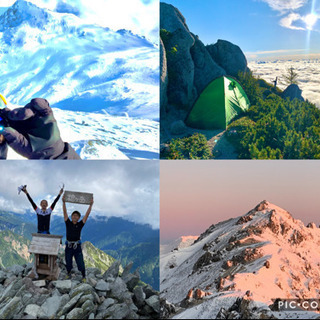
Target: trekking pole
<point x="3" y="104"/>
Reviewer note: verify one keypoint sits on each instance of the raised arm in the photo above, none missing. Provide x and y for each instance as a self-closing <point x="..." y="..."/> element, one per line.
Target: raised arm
<point x="85" y="218"/>
<point x="65" y="214"/>
<point x="56" y="199"/>
<point x="34" y="206"/>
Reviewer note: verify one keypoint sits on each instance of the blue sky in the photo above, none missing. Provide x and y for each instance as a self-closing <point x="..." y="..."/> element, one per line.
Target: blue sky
<point x="281" y="26"/>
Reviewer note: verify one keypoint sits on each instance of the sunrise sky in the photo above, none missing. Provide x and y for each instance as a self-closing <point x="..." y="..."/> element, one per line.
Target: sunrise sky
<point x="197" y="194"/>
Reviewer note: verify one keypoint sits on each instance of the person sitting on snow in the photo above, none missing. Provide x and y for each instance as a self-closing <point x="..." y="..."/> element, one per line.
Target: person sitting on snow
<point x="43" y="213"/>
<point x="32" y="131"/>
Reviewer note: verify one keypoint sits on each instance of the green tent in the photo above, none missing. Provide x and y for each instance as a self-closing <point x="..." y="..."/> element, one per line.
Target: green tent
<point x="218" y="104"/>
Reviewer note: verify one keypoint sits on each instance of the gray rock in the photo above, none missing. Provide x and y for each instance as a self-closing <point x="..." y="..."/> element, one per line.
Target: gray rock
<point x="50" y="307"/>
<point x="91" y="316"/>
<point x="91" y="281"/>
<point x="70" y="305"/>
<point x="10" y="309"/>
<point x="117" y="311"/>
<point x="12" y="289"/>
<point x="126" y="270"/>
<point x="32" y="310"/>
<point x="3" y="276"/>
<point x="16" y="270"/>
<point x="292" y="92"/>
<point x="85" y="298"/>
<point x="64" y="286"/>
<point x="106" y="304"/>
<point x="82" y="288"/>
<point x="205" y="68"/>
<point x="163" y="79"/>
<point x="102" y="286"/>
<point x="228" y="56"/>
<point x="180" y="91"/>
<point x="149" y="291"/>
<point x="87" y="308"/>
<point x="39" y="283"/>
<point x="139" y="296"/>
<point x="119" y="290"/>
<point x="113" y="271"/>
<point x="154" y="303"/>
<point x="178" y="127"/>
<point x="76" y="313"/>
<point x="94" y="271"/>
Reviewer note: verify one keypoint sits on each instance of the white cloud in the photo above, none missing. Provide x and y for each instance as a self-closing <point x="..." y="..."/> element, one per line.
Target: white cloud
<point x="288" y="21"/>
<point x="285" y="5"/>
<point x="128" y="189"/>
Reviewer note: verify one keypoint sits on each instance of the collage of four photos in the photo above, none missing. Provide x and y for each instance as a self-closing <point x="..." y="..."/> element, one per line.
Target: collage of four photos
<point x="194" y="133"/>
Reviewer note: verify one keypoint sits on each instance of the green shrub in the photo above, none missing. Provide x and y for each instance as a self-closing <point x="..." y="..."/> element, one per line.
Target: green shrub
<point x="193" y="147"/>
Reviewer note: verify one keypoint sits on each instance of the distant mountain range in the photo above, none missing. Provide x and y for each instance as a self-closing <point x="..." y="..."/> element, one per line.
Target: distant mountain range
<point x="121" y="239"/>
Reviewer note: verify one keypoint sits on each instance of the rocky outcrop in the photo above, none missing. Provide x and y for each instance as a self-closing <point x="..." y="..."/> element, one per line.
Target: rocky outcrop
<point x="163" y="78"/>
<point x="228" y="56"/>
<point x="293" y="92"/>
<point x="190" y="65"/>
<point x="205" y="68"/>
<point x="244" y="308"/>
<point x="107" y="295"/>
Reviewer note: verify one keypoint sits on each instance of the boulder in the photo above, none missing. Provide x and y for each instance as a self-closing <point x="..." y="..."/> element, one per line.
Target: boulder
<point x="32" y="310"/>
<point x="10" y="309"/>
<point x="139" y="296"/>
<point x="178" y="41"/>
<point x="16" y="270"/>
<point x="292" y="92"/>
<point x="228" y="56"/>
<point x="76" y="313"/>
<point x="82" y="288"/>
<point x="113" y="271"/>
<point x="154" y="303"/>
<point x="70" y="305"/>
<point x="205" y="68"/>
<point x="64" y="286"/>
<point x="102" y="286"/>
<point x="50" y="308"/>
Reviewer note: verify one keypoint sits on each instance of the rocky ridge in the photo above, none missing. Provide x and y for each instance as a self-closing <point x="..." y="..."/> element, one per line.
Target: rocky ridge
<point x="104" y="295"/>
<point x="263" y="255"/>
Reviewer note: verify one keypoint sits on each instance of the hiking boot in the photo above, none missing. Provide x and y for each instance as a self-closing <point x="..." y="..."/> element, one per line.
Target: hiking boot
<point x="84" y="280"/>
<point x="68" y="276"/>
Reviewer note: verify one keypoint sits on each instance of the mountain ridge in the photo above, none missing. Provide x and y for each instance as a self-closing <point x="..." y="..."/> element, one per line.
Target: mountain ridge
<point x="265" y="252"/>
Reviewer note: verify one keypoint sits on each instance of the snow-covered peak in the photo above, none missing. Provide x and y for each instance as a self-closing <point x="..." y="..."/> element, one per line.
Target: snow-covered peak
<point x="265" y="252"/>
<point x="23" y="11"/>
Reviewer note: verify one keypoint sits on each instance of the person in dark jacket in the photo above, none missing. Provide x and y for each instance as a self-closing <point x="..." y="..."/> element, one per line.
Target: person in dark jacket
<point x="32" y="131"/>
<point x="43" y="213"/>
<point x="73" y="243"/>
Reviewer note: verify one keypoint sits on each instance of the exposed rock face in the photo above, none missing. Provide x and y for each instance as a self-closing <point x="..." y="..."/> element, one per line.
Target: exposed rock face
<point x="205" y="68"/>
<point x="293" y="92"/>
<point x="245" y="309"/>
<point x="190" y="65"/>
<point x="116" y="297"/>
<point x="163" y="78"/>
<point x="228" y="56"/>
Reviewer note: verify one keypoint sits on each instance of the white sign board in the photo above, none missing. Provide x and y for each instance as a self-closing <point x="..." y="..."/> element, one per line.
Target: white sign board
<point x="78" y="197"/>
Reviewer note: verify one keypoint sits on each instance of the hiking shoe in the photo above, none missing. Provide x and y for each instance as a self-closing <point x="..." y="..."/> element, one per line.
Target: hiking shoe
<point x="68" y="277"/>
<point x="84" y="280"/>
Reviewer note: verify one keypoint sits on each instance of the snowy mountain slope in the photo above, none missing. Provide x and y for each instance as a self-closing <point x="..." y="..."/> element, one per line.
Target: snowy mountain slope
<point x="265" y="252"/>
<point x="100" y="136"/>
<point x="83" y="68"/>
<point x="182" y="242"/>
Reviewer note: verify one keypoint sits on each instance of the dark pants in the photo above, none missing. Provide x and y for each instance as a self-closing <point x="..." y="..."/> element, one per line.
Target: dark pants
<point x="77" y="254"/>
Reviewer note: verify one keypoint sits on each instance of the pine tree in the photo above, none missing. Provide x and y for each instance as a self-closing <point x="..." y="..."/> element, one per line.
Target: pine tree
<point x="291" y="76"/>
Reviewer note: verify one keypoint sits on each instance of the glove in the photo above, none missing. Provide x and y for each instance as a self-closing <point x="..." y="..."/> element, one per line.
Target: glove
<point x="3" y="119"/>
